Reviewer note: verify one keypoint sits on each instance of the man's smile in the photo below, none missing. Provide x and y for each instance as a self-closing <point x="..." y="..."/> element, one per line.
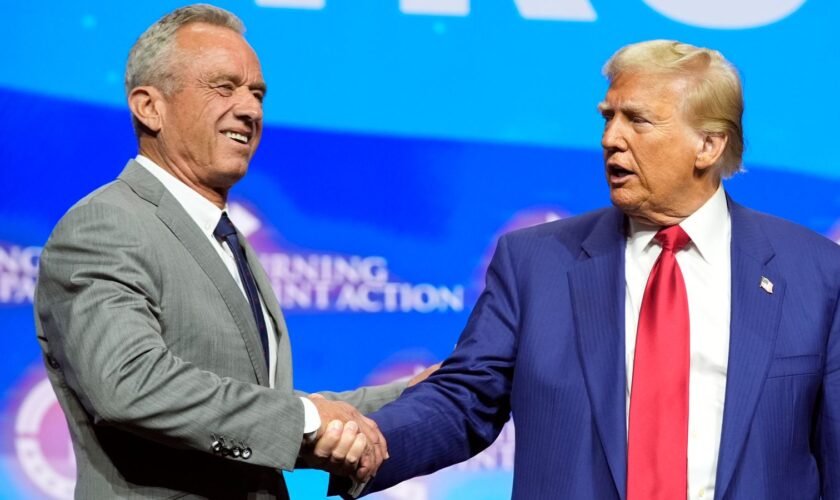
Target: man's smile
<point x="240" y="137"/>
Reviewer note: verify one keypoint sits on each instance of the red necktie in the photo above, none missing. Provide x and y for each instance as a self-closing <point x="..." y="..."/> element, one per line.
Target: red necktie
<point x="658" y="443"/>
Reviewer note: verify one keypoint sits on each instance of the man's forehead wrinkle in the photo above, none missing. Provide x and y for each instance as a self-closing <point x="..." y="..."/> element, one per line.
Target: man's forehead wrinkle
<point x="634" y="107"/>
<point x="222" y="75"/>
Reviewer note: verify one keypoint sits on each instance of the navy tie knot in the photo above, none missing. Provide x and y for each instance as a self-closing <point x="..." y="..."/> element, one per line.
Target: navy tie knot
<point x="224" y="228"/>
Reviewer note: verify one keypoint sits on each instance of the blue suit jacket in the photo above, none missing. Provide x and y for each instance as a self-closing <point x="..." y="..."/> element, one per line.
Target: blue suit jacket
<point x="545" y="343"/>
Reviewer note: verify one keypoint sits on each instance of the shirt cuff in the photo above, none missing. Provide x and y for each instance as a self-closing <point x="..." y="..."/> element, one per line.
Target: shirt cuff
<point x="357" y="488"/>
<point x="311" y="420"/>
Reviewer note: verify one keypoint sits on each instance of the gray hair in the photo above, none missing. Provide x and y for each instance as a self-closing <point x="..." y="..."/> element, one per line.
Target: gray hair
<point x="714" y="102"/>
<point x="150" y="61"/>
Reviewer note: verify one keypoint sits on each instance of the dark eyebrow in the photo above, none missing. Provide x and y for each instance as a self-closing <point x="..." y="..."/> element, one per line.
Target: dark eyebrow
<point x="261" y="86"/>
<point x="626" y="108"/>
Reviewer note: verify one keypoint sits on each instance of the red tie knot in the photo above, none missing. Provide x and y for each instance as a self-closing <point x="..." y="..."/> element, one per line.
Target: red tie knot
<point x="672" y="238"/>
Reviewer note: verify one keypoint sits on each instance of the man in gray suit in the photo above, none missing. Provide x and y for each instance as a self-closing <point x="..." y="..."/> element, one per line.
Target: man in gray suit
<point x="162" y="337"/>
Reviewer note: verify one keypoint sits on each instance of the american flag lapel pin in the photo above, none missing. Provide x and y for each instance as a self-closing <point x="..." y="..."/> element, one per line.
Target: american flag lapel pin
<point x="766" y="284"/>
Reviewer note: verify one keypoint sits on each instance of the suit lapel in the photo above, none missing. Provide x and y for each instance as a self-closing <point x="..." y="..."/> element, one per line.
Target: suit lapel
<point x="172" y="214"/>
<point x="597" y="290"/>
<point x="754" y="324"/>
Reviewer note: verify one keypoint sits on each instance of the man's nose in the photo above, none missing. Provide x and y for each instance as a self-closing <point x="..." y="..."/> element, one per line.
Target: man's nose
<point x="613" y="138"/>
<point x="248" y="106"/>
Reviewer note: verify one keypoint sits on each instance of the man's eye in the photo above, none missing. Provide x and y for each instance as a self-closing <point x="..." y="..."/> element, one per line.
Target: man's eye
<point x="638" y="119"/>
<point x="225" y="88"/>
<point x="259" y="96"/>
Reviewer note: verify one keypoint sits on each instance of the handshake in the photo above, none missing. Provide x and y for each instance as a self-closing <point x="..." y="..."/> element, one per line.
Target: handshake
<point x="348" y="443"/>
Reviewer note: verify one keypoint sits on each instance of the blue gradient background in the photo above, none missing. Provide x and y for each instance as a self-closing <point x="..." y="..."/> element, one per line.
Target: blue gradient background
<point x="412" y="137"/>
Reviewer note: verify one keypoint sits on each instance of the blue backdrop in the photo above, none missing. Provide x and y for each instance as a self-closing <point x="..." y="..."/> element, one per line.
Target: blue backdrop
<point x="402" y="137"/>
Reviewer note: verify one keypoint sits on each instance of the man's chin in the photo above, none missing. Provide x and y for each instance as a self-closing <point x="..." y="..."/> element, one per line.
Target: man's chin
<point x="624" y="201"/>
<point x="227" y="178"/>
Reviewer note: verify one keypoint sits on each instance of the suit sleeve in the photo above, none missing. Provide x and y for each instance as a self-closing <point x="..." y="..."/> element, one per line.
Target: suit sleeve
<point x="828" y="416"/>
<point x="460" y="409"/>
<point x="366" y="399"/>
<point x="98" y="309"/>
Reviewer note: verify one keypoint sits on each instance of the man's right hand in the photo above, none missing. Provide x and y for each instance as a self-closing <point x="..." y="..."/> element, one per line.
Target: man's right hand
<point x="339" y="450"/>
<point x="375" y="447"/>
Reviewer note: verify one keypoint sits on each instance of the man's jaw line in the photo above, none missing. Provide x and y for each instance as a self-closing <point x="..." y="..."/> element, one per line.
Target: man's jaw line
<point x="656" y="216"/>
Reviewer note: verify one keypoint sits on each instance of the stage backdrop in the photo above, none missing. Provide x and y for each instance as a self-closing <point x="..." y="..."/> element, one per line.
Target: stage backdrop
<point x="402" y="137"/>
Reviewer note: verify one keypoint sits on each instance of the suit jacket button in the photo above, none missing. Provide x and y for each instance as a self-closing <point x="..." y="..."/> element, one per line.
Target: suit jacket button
<point x="246" y="453"/>
<point x="52" y="362"/>
<point x="236" y="452"/>
<point x="218" y="446"/>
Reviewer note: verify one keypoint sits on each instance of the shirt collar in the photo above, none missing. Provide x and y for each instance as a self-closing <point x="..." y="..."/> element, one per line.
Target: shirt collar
<point x="709" y="228"/>
<point x="201" y="210"/>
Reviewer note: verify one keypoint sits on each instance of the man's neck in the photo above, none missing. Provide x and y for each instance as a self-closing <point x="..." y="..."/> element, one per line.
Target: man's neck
<point x="184" y="174"/>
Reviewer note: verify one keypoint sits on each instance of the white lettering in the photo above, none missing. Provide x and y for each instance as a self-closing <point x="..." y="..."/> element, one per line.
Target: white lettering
<point x="451" y="299"/>
<point x="374" y="269"/>
<point x="15" y="259"/>
<point x="18" y="273"/>
<point x="406" y="298"/>
<point x="348" y="283"/>
<point x="556" y="10"/>
<point x="29" y="259"/>
<point x="326" y="268"/>
<point x="714" y="14"/>
<point x="16" y="288"/>
<point x="294" y="4"/>
<point x="436" y="7"/>
<point x="297" y="295"/>
<point x="303" y="268"/>
<point x="347" y="299"/>
<point x="9" y="260"/>
<point x="390" y="296"/>
<point x="322" y="296"/>
<point x="424" y="298"/>
<point x="366" y="298"/>
<point x="346" y="271"/>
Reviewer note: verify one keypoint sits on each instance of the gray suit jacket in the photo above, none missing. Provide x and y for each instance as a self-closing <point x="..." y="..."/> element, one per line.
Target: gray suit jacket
<point x="153" y="353"/>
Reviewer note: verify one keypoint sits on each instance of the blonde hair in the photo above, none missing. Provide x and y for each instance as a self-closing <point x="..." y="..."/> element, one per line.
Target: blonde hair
<point x="714" y="101"/>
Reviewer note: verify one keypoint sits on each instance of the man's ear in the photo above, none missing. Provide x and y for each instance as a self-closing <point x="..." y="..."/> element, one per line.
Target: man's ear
<point x="146" y="104"/>
<point x="711" y="150"/>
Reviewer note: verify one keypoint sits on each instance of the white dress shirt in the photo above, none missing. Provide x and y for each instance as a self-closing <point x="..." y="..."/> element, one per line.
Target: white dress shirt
<point x="706" y="269"/>
<point x="206" y="215"/>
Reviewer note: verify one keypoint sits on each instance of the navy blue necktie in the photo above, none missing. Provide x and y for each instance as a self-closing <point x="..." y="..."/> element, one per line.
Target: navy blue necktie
<point x="226" y="231"/>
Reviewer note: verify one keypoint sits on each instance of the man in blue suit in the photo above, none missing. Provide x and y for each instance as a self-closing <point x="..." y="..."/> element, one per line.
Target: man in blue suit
<point x="725" y="385"/>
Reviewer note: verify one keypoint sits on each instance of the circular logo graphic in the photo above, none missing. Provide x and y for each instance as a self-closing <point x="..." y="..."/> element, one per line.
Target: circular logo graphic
<point x="520" y="220"/>
<point x="42" y="442"/>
